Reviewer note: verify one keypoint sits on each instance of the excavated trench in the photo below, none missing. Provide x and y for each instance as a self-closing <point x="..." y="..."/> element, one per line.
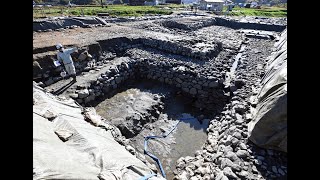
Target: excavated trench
<point x="137" y="61"/>
<point x="149" y="85"/>
<point x="151" y="90"/>
<point x="145" y="108"/>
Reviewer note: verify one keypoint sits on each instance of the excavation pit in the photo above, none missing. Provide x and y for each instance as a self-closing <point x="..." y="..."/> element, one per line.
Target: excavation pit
<point x="151" y="74"/>
<point x="152" y="108"/>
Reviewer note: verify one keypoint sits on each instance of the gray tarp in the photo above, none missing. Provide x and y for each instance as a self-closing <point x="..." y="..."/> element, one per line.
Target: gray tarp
<point x="83" y="150"/>
<point x="268" y="129"/>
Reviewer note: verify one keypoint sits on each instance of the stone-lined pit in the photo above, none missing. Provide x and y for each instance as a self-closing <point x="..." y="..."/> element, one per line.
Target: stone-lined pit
<point x="152" y="108"/>
<point x="145" y="83"/>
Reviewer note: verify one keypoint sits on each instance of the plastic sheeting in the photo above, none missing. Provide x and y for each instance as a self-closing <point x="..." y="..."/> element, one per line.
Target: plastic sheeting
<point x="268" y="129"/>
<point x="66" y="146"/>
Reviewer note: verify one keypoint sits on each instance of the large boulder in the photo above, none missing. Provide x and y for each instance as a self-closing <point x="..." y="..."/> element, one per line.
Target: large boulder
<point x="268" y="129"/>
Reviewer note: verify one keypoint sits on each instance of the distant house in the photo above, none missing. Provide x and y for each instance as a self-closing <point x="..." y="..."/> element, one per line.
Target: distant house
<point x="247" y="5"/>
<point x="136" y="2"/>
<point x="117" y="2"/>
<point x="160" y="2"/>
<point x="228" y="2"/>
<point x="211" y="5"/>
<point x="253" y="4"/>
<point x="173" y="1"/>
<point x="151" y="3"/>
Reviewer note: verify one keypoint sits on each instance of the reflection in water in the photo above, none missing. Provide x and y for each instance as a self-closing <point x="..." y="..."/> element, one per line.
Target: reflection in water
<point x="189" y="136"/>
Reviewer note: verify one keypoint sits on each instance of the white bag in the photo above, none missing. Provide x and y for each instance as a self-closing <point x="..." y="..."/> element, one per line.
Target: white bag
<point x="56" y="63"/>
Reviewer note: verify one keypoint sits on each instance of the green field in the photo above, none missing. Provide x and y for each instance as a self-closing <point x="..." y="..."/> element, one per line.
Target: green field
<point x="112" y="10"/>
<point x="125" y="10"/>
<point x="264" y="11"/>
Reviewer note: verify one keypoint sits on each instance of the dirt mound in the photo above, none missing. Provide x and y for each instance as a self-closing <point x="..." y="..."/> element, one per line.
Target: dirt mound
<point x="66" y="22"/>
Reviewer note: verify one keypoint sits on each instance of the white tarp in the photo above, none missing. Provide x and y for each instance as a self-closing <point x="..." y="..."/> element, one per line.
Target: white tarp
<point x="65" y="146"/>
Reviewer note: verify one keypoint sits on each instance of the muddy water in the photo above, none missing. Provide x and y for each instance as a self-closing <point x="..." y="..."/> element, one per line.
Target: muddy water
<point x="188" y="136"/>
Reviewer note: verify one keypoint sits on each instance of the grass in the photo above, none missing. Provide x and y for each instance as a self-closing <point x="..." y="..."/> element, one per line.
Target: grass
<point x="125" y="10"/>
<point x="173" y="6"/>
<point x="264" y="11"/>
<point x="112" y="10"/>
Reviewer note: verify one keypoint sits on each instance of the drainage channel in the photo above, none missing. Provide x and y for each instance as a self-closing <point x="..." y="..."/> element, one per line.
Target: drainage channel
<point x="231" y="74"/>
<point x="150" y="108"/>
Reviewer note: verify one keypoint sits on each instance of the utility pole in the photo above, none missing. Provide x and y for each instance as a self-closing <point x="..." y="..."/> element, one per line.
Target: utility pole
<point x="101" y="4"/>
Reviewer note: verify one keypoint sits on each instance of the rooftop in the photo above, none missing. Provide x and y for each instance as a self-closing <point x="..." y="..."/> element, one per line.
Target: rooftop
<point x="213" y="1"/>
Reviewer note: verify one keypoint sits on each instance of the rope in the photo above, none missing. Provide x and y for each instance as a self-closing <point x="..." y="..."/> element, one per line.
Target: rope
<point x="154" y="137"/>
